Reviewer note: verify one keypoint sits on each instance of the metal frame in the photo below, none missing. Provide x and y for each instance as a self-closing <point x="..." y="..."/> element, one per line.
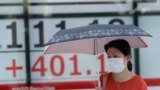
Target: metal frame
<point x="26" y="17"/>
<point x="26" y="22"/>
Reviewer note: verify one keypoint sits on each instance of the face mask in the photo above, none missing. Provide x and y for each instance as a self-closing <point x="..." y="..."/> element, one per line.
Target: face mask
<point x="115" y="65"/>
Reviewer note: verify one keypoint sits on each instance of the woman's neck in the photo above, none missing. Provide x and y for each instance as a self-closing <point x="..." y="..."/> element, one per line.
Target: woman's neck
<point x="123" y="76"/>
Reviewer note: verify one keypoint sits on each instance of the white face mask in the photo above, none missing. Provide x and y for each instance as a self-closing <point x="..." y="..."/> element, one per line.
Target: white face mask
<point x="115" y="65"/>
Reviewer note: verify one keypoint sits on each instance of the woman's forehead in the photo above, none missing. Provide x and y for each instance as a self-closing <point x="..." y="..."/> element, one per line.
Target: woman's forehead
<point x="113" y="50"/>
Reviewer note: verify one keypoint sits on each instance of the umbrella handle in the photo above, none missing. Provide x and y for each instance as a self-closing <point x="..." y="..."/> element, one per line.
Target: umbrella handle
<point x="99" y="82"/>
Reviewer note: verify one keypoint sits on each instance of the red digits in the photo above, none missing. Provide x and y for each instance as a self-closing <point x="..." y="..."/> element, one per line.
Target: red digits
<point x="75" y="66"/>
<point x="102" y="63"/>
<point x="40" y="69"/>
<point x="62" y="65"/>
<point x="56" y="70"/>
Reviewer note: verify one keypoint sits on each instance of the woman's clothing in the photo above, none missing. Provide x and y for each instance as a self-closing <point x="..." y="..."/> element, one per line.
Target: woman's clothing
<point x="135" y="83"/>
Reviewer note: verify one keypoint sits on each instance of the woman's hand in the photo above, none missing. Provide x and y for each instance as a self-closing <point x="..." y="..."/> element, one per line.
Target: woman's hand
<point x="98" y="88"/>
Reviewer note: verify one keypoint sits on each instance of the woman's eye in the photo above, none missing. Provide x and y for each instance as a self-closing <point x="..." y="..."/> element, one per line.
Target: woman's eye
<point x="116" y="56"/>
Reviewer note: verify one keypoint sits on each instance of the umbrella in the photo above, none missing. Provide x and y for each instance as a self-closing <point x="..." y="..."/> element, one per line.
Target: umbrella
<point x="91" y="39"/>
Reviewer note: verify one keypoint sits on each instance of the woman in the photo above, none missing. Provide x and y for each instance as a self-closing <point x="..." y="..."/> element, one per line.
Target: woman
<point x="119" y="66"/>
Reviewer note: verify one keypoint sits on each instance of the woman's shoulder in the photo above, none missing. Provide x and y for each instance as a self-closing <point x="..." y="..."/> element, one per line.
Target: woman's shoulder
<point x="139" y="80"/>
<point x="137" y="83"/>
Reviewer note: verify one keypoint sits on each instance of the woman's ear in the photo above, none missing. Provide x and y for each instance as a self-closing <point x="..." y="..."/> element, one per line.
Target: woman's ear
<point x="128" y="57"/>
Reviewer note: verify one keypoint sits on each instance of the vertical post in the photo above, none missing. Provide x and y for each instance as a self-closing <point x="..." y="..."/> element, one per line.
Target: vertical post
<point x="136" y="51"/>
<point x="26" y="23"/>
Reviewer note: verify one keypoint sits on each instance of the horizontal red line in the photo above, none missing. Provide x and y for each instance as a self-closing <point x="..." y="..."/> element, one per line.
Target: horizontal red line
<point x="70" y="85"/>
<point x="59" y="86"/>
<point x="153" y="81"/>
<point x="11" y="86"/>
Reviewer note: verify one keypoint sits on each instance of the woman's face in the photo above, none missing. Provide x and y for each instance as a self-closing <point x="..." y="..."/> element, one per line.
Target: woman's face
<point x="115" y="53"/>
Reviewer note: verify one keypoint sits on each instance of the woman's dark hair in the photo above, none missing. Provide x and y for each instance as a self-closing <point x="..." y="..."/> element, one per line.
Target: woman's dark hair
<point x="123" y="46"/>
